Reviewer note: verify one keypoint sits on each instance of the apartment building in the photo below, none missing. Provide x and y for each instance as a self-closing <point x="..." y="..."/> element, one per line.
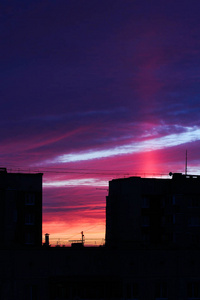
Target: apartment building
<point x="155" y="213"/>
<point x="21" y="209"/>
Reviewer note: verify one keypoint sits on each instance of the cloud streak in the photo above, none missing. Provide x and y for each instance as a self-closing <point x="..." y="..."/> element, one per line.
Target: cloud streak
<point x="76" y="182"/>
<point x="190" y="135"/>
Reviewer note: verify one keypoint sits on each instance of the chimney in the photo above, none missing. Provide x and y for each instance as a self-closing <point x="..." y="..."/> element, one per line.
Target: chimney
<point x="46" y="239"/>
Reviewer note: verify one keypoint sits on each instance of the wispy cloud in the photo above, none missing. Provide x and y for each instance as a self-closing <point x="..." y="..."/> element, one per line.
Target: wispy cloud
<point x="76" y="182"/>
<point x="191" y="134"/>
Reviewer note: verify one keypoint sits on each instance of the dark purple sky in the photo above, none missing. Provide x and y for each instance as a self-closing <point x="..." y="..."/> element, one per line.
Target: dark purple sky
<point x="98" y="89"/>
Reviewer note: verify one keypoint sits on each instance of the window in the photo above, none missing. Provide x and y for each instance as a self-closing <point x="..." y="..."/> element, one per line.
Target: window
<point x="168" y="237"/>
<point x="193" y="290"/>
<point x="145" y="237"/>
<point x="31" y="292"/>
<point x="29" y="199"/>
<point x="168" y="200"/>
<point x="15" y="216"/>
<point x="167" y="219"/>
<point x="161" y="291"/>
<point x="174" y="219"/>
<point x="194" y="239"/>
<point x="193" y="201"/>
<point x="132" y="290"/>
<point x="145" y="202"/>
<point x="176" y="199"/>
<point x="29" y="219"/>
<point x="194" y="221"/>
<point x="174" y="237"/>
<point x="145" y="221"/>
<point x="29" y="238"/>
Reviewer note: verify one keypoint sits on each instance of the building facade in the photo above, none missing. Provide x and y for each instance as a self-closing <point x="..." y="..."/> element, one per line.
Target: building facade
<point x="99" y="273"/>
<point x="157" y="213"/>
<point x="21" y="209"/>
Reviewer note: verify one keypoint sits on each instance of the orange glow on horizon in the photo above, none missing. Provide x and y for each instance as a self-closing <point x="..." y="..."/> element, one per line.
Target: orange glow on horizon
<point x="62" y="233"/>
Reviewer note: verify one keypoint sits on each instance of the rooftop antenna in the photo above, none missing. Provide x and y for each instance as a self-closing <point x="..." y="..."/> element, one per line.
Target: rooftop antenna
<point x="186" y="163"/>
<point x="83" y="239"/>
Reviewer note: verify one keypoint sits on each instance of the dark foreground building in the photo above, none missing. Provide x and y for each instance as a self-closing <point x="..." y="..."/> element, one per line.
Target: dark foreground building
<point x="99" y="273"/>
<point x="20" y="209"/>
<point x="145" y="257"/>
<point x="154" y="213"/>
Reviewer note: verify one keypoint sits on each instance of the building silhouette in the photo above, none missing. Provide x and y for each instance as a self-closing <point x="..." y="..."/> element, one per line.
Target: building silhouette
<point x="151" y="252"/>
<point x="21" y="209"/>
<point x="154" y="213"/>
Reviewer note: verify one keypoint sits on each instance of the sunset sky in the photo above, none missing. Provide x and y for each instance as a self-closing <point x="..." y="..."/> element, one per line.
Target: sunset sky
<point x="93" y="90"/>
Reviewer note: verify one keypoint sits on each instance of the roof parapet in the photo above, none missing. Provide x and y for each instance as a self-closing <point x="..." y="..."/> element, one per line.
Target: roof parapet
<point x="183" y="176"/>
